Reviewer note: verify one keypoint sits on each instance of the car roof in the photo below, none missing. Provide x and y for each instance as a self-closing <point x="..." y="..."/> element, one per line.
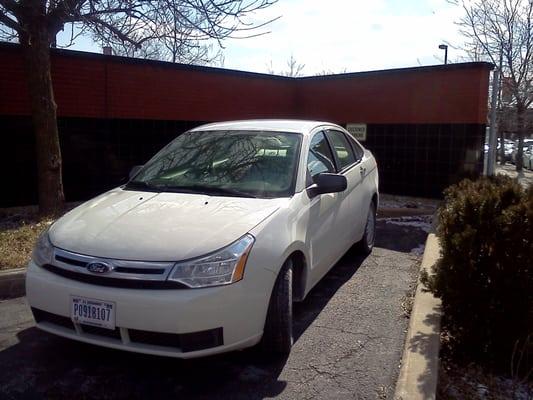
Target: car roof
<point x="287" y="125"/>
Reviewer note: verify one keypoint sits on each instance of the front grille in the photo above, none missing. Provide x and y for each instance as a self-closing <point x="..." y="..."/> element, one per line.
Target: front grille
<point x="95" y="330"/>
<point x="44" y="316"/>
<point x="201" y="340"/>
<point x="71" y="261"/>
<point x="113" y="282"/>
<point x="185" y="342"/>
<point x="126" y="270"/>
<point x="155" y="338"/>
<point x="120" y="273"/>
<point x="144" y="271"/>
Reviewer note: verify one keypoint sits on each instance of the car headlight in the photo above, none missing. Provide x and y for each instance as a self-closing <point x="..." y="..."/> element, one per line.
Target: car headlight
<point x="221" y="268"/>
<point x="43" y="250"/>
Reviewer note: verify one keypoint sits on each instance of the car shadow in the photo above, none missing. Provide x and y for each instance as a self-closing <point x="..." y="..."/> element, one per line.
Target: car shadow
<point x="45" y="366"/>
<point x="307" y="311"/>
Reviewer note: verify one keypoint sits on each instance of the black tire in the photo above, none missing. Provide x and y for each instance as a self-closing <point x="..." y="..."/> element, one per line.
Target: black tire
<point x="366" y="244"/>
<point x="277" y="335"/>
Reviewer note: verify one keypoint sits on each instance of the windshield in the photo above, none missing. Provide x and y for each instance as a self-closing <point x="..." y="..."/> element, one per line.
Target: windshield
<point x="231" y="163"/>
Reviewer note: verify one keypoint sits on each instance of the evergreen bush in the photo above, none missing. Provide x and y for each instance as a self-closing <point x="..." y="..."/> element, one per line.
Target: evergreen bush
<point x="485" y="274"/>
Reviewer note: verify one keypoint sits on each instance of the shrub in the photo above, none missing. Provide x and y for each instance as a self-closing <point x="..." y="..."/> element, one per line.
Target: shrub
<point x="485" y="274"/>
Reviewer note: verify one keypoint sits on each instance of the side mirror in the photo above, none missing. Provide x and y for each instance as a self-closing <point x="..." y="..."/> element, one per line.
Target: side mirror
<point x="327" y="183"/>
<point x="134" y="171"/>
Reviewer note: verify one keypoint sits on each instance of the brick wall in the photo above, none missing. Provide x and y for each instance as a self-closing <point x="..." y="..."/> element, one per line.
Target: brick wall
<point x="98" y="86"/>
<point x="435" y="95"/>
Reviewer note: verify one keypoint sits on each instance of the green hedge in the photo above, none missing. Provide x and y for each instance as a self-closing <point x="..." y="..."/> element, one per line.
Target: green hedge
<point x="485" y="274"/>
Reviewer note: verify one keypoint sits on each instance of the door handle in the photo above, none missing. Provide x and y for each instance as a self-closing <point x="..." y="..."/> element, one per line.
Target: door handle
<point x="362" y="170"/>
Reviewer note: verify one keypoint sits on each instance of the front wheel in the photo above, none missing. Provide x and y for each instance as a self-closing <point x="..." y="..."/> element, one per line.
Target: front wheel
<point x="366" y="244"/>
<point x="277" y="335"/>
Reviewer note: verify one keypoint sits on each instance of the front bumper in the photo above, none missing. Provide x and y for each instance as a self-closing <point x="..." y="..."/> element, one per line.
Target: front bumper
<point x="229" y="317"/>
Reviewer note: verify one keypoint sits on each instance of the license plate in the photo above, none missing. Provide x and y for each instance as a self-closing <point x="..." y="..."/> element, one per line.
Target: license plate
<point x="92" y="312"/>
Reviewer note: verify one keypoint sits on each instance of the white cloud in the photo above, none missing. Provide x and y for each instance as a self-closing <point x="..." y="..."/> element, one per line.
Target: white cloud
<point x="351" y="35"/>
<point x="338" y="35"/>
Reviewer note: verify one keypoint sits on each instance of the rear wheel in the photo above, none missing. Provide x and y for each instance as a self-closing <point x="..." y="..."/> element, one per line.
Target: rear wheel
<point x="277" y="335"/>
<point x="366" y="244"/>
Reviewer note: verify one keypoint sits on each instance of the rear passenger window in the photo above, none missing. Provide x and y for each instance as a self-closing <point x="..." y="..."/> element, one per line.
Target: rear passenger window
<point x="342" y="148"/>
<point x="358" y="150"/>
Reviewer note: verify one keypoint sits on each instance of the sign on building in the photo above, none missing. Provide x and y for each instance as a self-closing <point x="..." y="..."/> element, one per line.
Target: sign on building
<point x="357" y="130"/>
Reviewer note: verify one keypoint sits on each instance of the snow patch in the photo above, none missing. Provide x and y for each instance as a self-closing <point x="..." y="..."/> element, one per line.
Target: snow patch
<point x="419" y="250"/>
<point x="422" y="222"/>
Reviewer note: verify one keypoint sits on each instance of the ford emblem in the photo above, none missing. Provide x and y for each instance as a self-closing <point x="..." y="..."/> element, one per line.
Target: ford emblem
<point x="99" y="267"/>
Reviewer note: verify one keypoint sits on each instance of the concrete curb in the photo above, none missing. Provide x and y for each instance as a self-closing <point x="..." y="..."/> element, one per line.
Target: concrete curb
<point x="420" y="361"/>
<point x="12" y="283"/>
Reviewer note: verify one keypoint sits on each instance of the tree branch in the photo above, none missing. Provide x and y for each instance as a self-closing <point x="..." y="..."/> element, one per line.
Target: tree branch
<point x="9" y="5"/>
<point x="9" y="22"/>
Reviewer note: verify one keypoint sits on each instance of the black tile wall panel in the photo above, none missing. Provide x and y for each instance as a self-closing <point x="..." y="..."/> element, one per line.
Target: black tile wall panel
<point x="423" y="159"/>
<point x="97" y="154"/>
<point x="415" y="160"/>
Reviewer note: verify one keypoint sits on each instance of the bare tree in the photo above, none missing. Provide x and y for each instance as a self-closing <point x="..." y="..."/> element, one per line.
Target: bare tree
<point x="35" y="23"/>
<point x="326" y="72"/>
<point x="294" y="68"/>
<point x="501" y="31"/>
<point x="174" y="50"/>
<point x="174" y="41"/>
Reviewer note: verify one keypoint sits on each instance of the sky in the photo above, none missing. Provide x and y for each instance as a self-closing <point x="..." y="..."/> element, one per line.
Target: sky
<point x="341" y="36"/>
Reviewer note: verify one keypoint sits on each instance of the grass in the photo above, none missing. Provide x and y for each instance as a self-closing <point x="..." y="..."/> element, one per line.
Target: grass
<point x="19" y="229"/>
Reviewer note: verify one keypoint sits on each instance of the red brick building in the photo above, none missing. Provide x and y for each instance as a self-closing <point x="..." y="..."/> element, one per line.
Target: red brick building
<point x="426" y="125"/>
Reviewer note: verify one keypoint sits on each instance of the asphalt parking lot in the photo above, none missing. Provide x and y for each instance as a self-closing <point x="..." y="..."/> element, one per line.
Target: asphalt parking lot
<point x="349" y="336"/>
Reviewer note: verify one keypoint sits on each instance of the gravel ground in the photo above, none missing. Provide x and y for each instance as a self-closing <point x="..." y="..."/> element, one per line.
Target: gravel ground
<point x="472" y="382"/>
<point x="350" y="333"/>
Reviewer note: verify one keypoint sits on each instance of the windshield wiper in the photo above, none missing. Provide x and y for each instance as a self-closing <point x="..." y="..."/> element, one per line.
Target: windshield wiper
<point x="135" y="185"/>
<point x="205" y="189"/>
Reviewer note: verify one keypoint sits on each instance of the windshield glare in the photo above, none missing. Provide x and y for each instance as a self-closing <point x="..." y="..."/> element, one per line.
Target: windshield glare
<point x="254" y="163"/>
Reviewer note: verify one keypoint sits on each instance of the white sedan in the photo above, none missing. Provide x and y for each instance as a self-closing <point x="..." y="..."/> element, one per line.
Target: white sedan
<point x="208" y="245"/>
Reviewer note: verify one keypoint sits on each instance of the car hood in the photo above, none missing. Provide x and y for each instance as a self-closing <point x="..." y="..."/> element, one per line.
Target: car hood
<point x="133" y="225"/>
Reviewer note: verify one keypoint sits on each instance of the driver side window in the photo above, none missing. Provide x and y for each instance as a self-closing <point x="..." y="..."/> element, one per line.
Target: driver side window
<point x="320" y="158"/>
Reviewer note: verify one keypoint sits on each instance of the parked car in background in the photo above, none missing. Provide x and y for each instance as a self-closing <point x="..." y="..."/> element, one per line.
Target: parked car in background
<point x="508" y="148"/>
<point x="527" y="157"/>
<point x="207" y="246"/>
<point x="527" y="142"/>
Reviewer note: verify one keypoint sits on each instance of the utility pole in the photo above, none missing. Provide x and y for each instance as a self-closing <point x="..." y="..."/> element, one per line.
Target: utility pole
<point x="500" y="132"/>
<point x="491" y="156"/>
